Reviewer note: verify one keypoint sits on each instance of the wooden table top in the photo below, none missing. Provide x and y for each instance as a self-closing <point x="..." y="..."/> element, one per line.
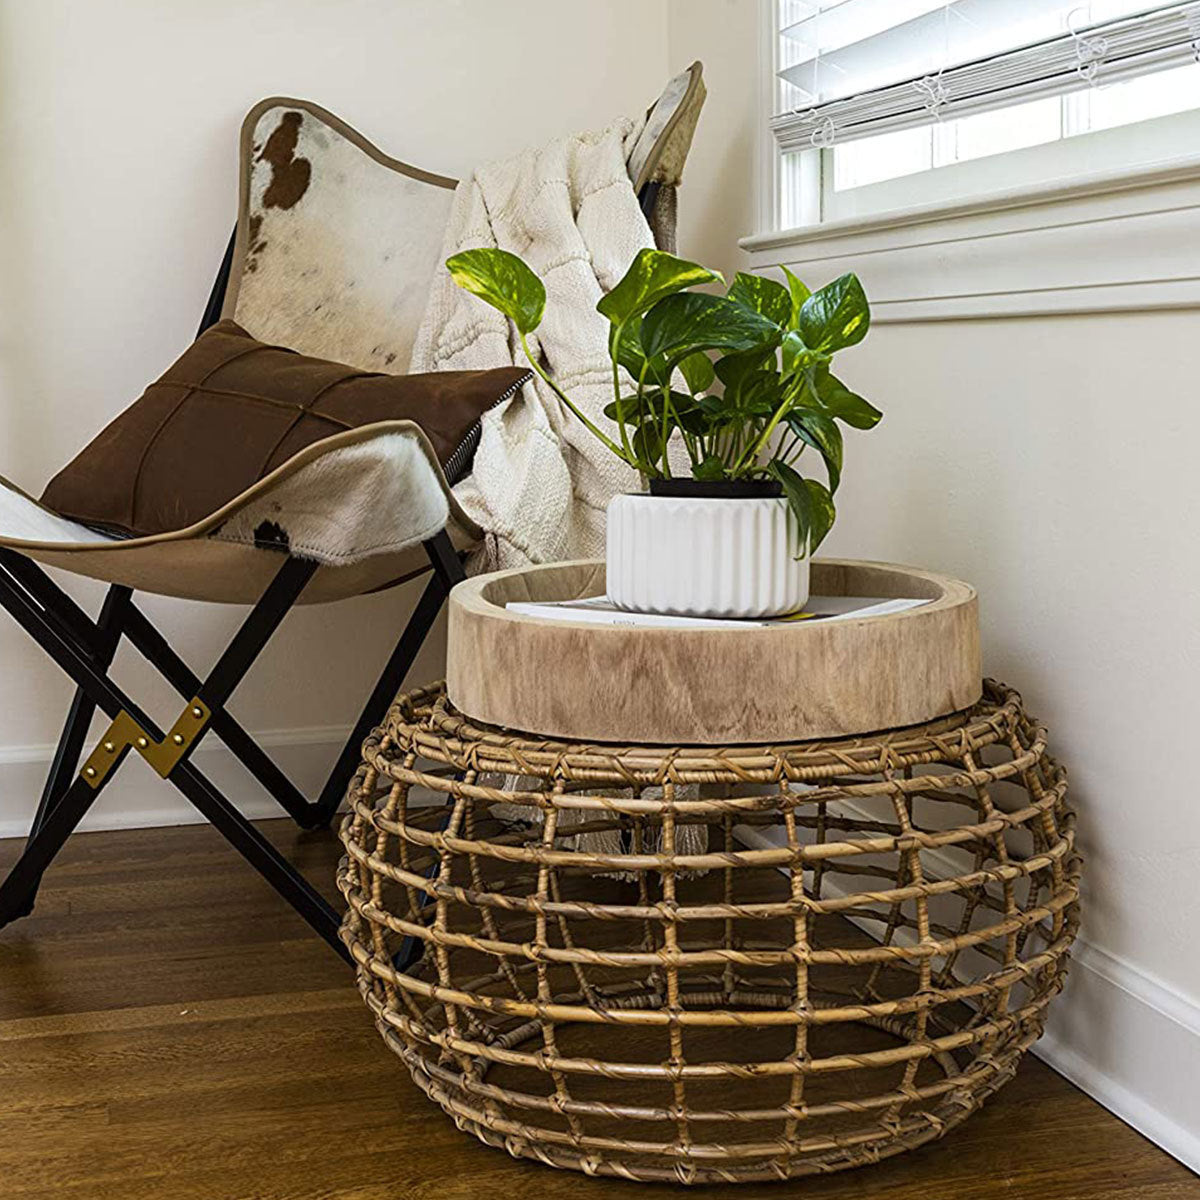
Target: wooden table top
<point x="699" y="685"/>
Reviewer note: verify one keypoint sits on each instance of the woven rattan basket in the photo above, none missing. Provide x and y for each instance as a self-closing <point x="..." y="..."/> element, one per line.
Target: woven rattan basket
<point x="794" y="958"/>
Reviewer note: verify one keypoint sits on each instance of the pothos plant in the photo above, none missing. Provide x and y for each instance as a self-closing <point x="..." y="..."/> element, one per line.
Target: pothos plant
<point x="742" y="379"/>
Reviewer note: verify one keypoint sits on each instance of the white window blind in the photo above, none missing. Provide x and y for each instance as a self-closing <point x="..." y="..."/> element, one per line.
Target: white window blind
<point x="852" y="69"/>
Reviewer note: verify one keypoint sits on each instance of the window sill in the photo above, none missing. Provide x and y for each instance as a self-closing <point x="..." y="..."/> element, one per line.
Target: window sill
<point x="1104" y="243"/>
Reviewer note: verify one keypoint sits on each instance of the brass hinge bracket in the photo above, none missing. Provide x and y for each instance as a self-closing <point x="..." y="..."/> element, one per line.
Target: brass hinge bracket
<point x="125" y="734"/>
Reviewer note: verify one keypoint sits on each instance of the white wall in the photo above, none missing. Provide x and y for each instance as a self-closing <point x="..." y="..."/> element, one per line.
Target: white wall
<point x="717" y="202"/>
<point x="1050" y="461"/>
<point x="118" y="127"/>
<point x="1036" y="459"/>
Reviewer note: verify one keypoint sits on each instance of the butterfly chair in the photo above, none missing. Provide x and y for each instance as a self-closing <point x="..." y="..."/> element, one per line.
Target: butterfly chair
<point x="327" y="225"/>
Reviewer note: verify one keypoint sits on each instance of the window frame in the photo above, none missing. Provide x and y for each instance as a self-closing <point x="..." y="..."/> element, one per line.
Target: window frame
<point x="1125" y="148"/>
<point x="798" y="191"/>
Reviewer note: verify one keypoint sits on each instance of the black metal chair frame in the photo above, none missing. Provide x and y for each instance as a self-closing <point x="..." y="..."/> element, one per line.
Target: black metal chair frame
<point x="84" y="648"/>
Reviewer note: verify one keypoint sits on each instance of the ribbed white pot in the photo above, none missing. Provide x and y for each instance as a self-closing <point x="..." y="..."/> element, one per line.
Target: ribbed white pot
<point x="704" y="557"/>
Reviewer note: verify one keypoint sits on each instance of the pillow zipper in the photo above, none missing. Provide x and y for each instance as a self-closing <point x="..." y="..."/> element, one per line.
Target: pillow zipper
<point x="454" y="468"/>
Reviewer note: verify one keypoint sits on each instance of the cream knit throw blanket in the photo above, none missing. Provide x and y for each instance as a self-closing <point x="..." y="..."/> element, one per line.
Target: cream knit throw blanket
<point x="541" y="482"/>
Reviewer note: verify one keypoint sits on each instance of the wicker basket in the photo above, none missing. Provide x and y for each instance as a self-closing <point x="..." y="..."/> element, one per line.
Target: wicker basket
<point x="854" y="950"/>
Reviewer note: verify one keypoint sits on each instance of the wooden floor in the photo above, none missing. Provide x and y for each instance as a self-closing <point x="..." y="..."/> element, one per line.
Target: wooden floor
<point x="169" y="1029"/>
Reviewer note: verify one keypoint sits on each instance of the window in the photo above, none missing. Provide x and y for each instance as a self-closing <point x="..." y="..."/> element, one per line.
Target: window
<point x="884" y="104"/>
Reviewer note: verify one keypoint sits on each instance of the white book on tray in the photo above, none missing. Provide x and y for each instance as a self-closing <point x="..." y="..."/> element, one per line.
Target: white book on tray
<point x="599" y="610"/>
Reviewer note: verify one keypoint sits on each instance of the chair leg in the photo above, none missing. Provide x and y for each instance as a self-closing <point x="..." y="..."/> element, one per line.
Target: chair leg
<point x="51" y="618"/>
<point x="70" y="743"/>
<point x="158" y="652"/>
<point x="16" y="892"/>
<point x="66" y="760"/>
<point x="66" y="757"/>
<point x="79" y="716"/>
<point x="447" y="565"/>
<point x="80" y="647"/>
<point x="261" y="855"/>
<point x="384" y="692"/>
<point x="447" y="571"/>
<point x="216" y="298"/>
<point x="648" y="198"/>
<point x="19" y="889"/>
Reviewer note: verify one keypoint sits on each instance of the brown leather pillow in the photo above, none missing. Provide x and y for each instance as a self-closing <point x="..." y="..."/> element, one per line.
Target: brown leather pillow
<point x="232" y="409"/>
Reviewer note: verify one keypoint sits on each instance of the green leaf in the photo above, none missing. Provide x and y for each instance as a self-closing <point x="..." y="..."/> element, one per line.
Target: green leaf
<point x="733" y="368"/>
<point x="799" y="293"/>
<point x="698" y="372"/>
<point x="757" y="396"/>
<point x="691" y="321"/>
<point x="685" y="412"/>
<point x="650" y="408"/>
<point x="822" y="434"/>
<point x="652" y="275"/>
<point x="710" y="469"/>
<point x="823" y="513"/>
<point x="798" y="500"/>
<point x="794" y="352"/>
<point x="766" y="297"/>
<point x="647" y="444"/>
<point x="630" y="407"/>
<point x="835" y="317"/>
<point x="629" y="355"/>
<point x="750" y="399"/>
<point x="693" y="419"/>
<point x="809" y="501"/>
<point x="841" y="402"/>
<point x="504" y="281"/>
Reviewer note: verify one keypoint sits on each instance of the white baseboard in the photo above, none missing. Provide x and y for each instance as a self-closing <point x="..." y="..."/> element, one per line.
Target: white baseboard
<point x="1125" y="1038"/>
<point x="1132" y="1043"/>
<point x="137" y="798"/>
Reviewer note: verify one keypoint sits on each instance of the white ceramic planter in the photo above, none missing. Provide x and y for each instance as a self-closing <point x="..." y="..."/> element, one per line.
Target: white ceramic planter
<point x="704" y="557"/>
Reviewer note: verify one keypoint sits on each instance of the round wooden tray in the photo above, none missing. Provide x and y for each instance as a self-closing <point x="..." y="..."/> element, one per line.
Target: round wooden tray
<point x="679" y="686"/>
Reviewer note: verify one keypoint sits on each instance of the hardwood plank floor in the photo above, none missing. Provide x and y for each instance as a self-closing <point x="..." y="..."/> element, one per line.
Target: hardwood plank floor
<point x="169" y="1029"/>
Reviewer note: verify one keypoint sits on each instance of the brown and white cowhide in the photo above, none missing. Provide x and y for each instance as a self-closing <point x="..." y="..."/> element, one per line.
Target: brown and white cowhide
<point x="337" y="242"/>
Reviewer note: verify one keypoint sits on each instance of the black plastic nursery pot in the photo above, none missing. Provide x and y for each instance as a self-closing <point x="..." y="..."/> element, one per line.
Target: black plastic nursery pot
<point x="719" y="489"/>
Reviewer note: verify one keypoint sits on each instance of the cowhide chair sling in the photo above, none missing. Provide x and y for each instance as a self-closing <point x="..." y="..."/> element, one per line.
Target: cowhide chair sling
<point x="319" y="206"/>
